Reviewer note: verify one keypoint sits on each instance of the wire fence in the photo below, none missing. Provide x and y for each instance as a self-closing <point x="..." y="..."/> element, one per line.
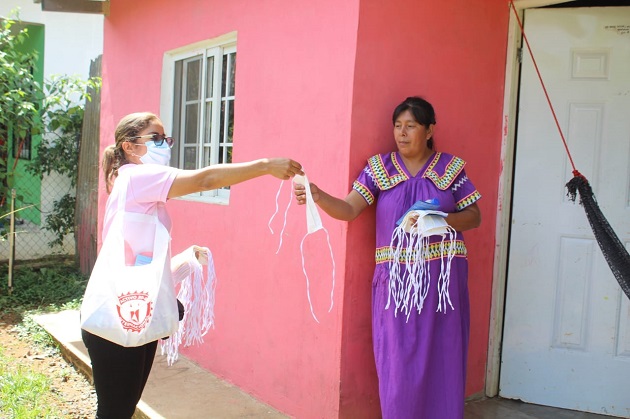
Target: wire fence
<point x="32" y="237"/>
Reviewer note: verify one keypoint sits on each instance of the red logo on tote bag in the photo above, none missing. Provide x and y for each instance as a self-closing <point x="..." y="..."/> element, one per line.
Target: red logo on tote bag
<point x="134" y="310"/>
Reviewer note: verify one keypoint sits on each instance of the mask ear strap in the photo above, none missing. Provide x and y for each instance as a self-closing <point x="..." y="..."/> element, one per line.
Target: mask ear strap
<point x="197" y="295"/>
<point x="313" y="224"/>
<point x="276" y="211"/>
<point x="284" y="224"/>
<point x="410" y="245"/>
<point x="308" y="285"/>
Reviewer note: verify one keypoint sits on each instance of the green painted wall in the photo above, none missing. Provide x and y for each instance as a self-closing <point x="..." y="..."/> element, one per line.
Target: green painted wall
<point x="27" y="186"/>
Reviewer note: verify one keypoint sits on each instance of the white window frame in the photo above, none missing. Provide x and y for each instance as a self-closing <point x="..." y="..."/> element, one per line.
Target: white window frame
<point x="217" y="47"/>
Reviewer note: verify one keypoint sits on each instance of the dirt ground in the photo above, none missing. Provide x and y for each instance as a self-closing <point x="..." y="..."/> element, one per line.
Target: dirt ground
<point x="71" y="393"/>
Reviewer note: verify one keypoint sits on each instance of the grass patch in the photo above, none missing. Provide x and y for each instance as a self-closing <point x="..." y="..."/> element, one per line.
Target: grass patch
<point x="23" y="392"/>
<point x="41" y="288"/>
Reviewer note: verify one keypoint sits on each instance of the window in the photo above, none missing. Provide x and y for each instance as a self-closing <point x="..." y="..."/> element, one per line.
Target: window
<point x="201" y="107"/>
<point x="22" y="147"/>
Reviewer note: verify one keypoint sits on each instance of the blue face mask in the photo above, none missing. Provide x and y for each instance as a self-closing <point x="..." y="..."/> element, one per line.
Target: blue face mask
<point x="156" y="154"/>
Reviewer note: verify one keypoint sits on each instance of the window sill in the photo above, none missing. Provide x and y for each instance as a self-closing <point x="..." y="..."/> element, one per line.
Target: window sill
<point x="217" y="200"/>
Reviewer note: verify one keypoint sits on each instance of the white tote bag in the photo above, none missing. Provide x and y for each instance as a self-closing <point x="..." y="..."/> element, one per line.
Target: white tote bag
<point x="130" y="297"/>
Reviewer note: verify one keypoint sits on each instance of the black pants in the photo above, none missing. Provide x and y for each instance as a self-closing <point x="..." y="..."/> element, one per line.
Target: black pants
<point x="119" y="374"/>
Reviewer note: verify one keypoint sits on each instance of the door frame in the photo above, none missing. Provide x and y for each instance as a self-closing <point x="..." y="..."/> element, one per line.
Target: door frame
<point x="504" y="200"/>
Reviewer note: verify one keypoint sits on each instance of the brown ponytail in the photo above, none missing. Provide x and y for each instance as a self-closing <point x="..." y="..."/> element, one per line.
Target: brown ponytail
<point x="114" y="156"/>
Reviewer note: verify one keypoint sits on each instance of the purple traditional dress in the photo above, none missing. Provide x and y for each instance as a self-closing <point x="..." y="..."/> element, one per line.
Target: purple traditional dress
<point x="420" y="359"/>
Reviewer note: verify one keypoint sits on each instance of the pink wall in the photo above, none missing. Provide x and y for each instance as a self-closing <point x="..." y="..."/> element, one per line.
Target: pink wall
<point x="294" y="78"/>
<point x="294" y="84"/>
<point x="317" y="83"/>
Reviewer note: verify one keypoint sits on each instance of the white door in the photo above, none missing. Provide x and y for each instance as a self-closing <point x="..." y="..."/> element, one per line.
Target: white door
<point x="567" y="322"/>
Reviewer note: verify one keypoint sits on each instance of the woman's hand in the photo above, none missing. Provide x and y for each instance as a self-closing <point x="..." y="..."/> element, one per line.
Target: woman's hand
<point x="342" y="209"/>
<point x="283" y="168"/>
<point x="300" y="193"/>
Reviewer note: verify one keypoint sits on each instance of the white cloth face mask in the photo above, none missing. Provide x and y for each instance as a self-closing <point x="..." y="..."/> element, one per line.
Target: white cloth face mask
<point x="313" y="220"/>
<point x="156" y="155"/>
<point x="313" y="224"/>
<point x="425" y="222"/>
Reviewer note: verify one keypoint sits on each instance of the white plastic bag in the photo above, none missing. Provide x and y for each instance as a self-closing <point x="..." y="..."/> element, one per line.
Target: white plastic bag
<point x="130" y="297"/>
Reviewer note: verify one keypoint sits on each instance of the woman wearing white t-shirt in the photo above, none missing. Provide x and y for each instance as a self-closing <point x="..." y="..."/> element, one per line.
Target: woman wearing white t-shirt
<point x="142" y="153"/>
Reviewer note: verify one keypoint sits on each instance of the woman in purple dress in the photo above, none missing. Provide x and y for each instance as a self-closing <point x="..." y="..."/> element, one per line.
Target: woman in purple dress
<point x="420" y="341"/>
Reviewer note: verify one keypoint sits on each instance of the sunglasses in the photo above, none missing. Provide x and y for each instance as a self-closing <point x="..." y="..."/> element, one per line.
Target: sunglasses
<point x="158" y="139"/>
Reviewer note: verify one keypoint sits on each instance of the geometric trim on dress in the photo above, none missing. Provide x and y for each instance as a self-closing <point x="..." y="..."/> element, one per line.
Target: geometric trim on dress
<point x="451" y="171"/>
<point x="385" y="180"/>
<point x="363" y="191"/>
<point x="384" y="254"/>
<point x="469" y="200"/>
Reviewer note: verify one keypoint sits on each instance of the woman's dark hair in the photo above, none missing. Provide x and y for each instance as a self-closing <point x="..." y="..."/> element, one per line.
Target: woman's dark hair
<point x="421" y="110"/>
<point x="114" y="156"/>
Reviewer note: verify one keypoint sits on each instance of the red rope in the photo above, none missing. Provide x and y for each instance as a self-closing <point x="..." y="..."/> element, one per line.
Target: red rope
<point x="553" y="112"/>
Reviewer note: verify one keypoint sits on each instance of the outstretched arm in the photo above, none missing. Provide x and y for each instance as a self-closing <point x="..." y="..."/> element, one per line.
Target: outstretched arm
<point x="342" y="209"/>
<point x="220" y="175"/>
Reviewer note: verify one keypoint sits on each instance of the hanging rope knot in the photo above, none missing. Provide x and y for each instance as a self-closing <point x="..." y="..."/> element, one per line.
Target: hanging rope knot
<point x="580" y="184"/>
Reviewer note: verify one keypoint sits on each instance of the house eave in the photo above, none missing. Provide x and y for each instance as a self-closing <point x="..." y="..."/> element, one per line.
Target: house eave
<point x="75" y="6"/>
